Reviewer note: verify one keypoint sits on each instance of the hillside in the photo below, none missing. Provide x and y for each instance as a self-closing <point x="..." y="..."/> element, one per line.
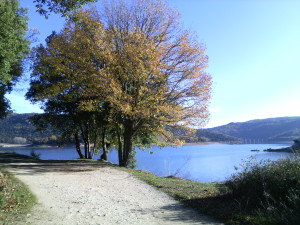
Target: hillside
<point x="213" y="136"/>
<point x="281" y="129"/>
<point x="17" y="129"/>
<point x="203" y="135"/>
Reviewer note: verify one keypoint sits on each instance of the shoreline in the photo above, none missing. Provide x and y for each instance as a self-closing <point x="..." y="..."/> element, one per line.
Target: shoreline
<point x="9" y="145"/>
<point x="204" y="143"/>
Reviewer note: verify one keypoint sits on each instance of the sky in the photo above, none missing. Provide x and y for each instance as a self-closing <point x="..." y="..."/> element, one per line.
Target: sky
<point x="254" y="55"/>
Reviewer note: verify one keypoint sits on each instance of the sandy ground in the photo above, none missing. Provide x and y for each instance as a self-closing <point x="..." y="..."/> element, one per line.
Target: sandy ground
<point x="77" y="193"/>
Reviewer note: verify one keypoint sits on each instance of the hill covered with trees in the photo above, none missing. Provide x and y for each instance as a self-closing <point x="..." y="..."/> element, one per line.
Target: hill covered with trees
<point x="17" y="129"/>
<point x="213" y="136"/>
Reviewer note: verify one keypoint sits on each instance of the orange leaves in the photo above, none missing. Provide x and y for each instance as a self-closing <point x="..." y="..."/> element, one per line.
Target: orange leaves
<point x="139" y="62"/>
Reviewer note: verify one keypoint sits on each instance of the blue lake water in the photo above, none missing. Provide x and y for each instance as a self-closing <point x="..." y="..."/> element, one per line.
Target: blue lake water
<point x="205" y="163"/>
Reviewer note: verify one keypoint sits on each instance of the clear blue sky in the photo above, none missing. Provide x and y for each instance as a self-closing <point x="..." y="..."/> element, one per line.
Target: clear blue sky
<point x="254" y="52"/>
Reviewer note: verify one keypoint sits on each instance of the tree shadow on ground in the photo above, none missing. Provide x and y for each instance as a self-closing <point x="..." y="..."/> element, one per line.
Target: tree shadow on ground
<point x="179" y="212"/>
<point x="20" y="164"/>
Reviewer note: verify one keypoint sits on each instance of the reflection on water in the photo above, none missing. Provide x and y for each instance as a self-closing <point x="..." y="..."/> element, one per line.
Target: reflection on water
<point x="206" y="163"/>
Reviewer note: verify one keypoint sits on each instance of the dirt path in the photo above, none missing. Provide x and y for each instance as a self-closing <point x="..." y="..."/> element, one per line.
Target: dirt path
<point x="80" y="193"/>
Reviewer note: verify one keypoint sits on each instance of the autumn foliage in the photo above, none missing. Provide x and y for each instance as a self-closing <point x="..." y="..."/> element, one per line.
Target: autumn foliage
<point x="133" y="66"/>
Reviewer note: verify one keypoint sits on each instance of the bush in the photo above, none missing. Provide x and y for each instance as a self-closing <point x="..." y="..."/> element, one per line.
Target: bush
<point x="297" y="141"/>
<point x="35" y="155"/>
<point x="272" y="188"/>
<point x="286" y="212"/>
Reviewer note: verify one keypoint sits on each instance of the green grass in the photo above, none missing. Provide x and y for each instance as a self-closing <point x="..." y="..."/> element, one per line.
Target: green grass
<point x="181" y="189"/>
<point x="15" y="198"/>
<point x="14" y="155"/>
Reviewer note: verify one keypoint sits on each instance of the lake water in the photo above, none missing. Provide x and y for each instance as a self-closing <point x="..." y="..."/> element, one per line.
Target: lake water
<point x="205" y="163"/>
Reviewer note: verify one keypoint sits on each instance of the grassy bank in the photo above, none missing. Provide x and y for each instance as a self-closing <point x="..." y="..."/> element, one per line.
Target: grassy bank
<point x="15" y="198"/>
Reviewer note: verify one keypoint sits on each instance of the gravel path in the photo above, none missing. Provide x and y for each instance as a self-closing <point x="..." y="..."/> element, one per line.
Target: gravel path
<point x="80" y="193"/>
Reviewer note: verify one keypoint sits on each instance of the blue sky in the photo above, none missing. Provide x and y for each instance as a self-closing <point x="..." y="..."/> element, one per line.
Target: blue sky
<point x="254" y="52"/>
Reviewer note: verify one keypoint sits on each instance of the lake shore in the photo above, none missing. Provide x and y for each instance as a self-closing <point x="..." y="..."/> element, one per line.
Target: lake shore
<point x="205" y="143"/>
<point x="9" y="145"/>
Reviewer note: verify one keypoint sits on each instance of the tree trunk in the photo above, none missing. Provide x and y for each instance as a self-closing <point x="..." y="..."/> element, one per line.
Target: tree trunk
<point x="88" y="144"/>
<point x="120" y="149"/>
<point x="92" y="152"/>
<point x="86" y="154"/>
<point x="95" y="143"/>
<point x="128" y="137"/>
<point x="104" y="145"/>
<point x="86" y="140"/>
<point x="77" y="144"/>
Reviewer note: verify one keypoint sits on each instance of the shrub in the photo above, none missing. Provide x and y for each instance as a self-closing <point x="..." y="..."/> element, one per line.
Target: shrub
<point x="285" y="212"/>
<point x="35" y="155"/>
<point x="272" y="188"/>
<point x="297" y="141"/>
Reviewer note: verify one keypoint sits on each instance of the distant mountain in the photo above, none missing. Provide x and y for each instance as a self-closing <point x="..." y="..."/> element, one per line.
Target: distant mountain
<point x="281" y="129"/>
<point x="16" y="128"/>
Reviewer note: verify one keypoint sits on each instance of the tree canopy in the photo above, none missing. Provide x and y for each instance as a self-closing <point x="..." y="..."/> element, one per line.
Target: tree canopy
<point x="63" y="7"/>
<point x="14" y="46"/>
<point x="133" y="64"/>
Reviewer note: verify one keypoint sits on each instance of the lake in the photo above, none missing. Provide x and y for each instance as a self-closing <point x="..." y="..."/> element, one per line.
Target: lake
<point x="205" y="163"/>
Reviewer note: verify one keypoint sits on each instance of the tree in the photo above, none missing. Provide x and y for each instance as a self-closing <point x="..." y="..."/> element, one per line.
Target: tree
<point x="155" y="72"/>
<point x="70" y="126"/>
<point x="59" y="77"/>
<point x="14" y="46"/>
<point x="132" y="64"/>
<point x="63" y="7"/>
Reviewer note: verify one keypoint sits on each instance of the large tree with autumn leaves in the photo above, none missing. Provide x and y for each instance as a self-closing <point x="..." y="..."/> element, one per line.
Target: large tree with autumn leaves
<point x="132" y="63"/>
